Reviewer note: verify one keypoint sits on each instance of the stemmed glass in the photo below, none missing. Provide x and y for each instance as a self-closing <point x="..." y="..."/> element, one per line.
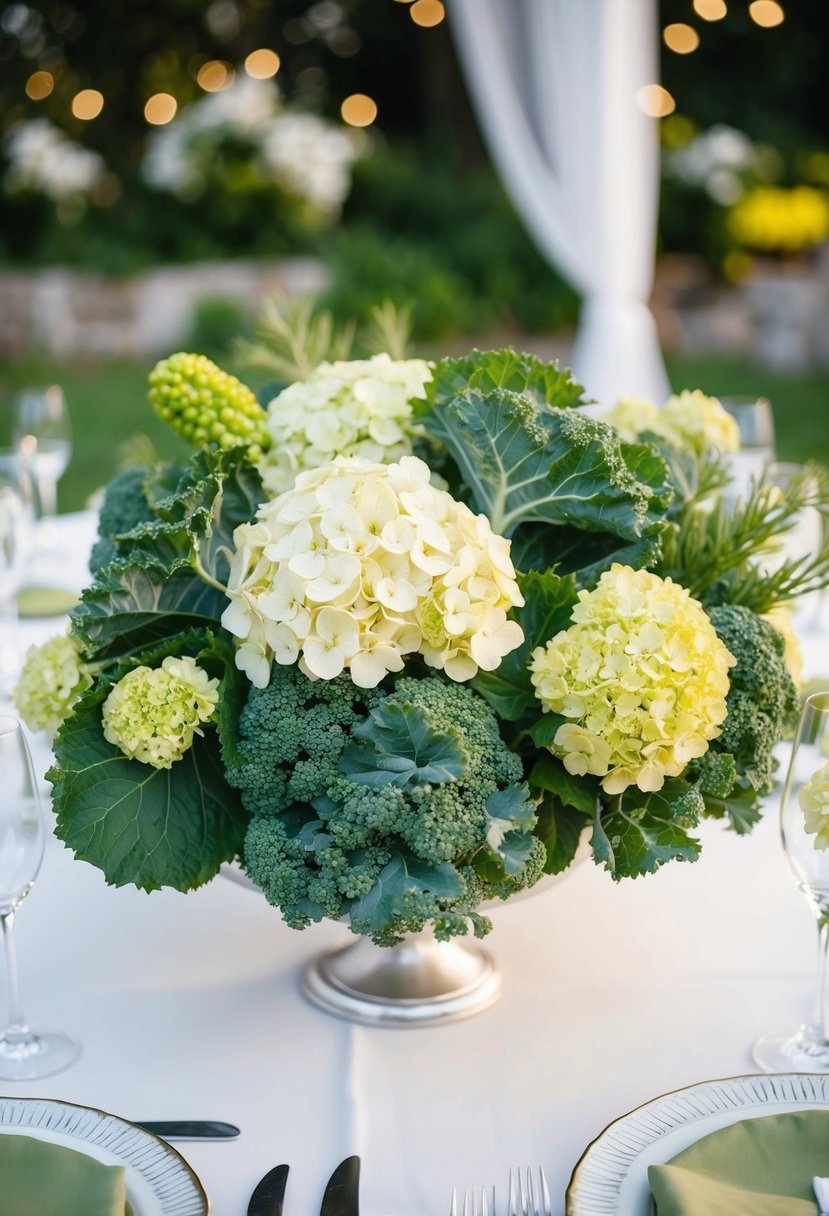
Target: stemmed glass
<point x="13" y="543"/>
<point x="25" y="1052"/>
<point x="804" y="824"/>
<point x="43" y="438"/>
<point x="756" y="425"/>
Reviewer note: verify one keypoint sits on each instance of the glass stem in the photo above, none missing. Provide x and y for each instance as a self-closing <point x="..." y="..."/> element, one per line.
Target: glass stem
<point x="819" y="1029"/>
<point x="47" y="490"/>
<point x="9" y="658"/>
<point x="17" y="1027"/>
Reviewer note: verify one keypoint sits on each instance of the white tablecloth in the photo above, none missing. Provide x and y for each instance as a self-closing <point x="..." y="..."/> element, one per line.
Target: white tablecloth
<point x="189" y="1006"/>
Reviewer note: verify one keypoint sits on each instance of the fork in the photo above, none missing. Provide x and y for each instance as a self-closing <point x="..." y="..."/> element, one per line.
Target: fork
<point x="521" y="1199"/>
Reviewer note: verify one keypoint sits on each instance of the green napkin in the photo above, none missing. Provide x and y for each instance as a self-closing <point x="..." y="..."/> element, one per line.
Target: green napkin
<point x="757" y="1167"/>
<point x="45" y="601"/>
<point x="38" y="1177"/>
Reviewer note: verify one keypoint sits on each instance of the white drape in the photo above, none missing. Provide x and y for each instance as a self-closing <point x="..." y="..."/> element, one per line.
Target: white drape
<point x="554" y="83"/>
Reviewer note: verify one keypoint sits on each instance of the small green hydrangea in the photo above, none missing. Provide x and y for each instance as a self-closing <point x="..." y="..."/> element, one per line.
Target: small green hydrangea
<point x="152" y="714"/>
<point x="52" y="679"/>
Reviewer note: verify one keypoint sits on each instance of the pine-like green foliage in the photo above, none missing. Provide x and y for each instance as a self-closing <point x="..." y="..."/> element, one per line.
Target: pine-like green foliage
<point x="206" y="405"/>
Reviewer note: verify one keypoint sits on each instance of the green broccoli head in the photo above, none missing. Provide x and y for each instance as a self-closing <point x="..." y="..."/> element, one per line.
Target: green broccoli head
<point x="392" y="808"/>
<point x="762" y="700"/>
<point x="124" y="507"/>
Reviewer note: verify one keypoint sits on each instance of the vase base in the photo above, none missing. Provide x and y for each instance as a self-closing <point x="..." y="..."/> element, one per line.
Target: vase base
<point x="791" y="1053"/>
<point x="421" y="982"/>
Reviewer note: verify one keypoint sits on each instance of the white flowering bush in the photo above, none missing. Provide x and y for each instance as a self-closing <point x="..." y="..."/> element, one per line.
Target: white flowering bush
<point x="362" y="564"/>
<point x="306" y="157"/>
<point x="358" y="407"/>
<point x="43" y="159"/>
<point x="641" y="677"/>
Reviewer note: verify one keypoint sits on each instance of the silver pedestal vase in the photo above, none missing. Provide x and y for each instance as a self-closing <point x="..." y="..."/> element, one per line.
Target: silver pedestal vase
<point x="421" y="982"/>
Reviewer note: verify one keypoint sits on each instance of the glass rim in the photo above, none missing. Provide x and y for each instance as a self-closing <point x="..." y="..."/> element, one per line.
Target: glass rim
<point x="818" y="701"/>
<point x="739" y="400"/>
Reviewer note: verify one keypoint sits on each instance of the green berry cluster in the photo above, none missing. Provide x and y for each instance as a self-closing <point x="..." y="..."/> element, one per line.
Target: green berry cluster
<point x="206" y="405"/>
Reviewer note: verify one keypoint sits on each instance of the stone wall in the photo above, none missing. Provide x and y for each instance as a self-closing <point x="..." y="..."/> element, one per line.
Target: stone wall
<point x="65" y="311"/>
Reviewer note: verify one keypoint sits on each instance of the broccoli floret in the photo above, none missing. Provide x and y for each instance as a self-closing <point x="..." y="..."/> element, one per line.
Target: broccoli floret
<point x="761" y="701"/>
<point x="373" y="804"/>
<point x="124" y="507"/>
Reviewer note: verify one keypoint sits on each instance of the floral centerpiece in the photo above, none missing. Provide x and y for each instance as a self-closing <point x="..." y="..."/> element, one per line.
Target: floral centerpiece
<point x="397" y="641"/>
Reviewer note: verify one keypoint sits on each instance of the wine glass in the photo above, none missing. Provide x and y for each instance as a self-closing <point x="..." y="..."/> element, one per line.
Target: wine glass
<point x="804" y="825"/>
<point x="43" y="439"/>
<point x="756" y="425"/>
<point x="13" y="537"/>
<point x="25" y="1052"/>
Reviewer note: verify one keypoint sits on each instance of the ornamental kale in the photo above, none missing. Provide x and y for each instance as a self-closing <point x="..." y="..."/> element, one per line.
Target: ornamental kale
<point x="393" y="808"/>
<point x="125" y="506"/>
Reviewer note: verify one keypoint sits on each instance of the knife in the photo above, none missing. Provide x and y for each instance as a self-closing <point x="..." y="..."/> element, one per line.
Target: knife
<point x="267" y="1198"/>
<point x="341" y="1196"/>
<point x="191" y="1129"/>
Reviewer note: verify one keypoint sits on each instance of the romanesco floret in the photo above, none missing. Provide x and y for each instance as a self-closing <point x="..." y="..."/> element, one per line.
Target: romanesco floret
<point x="373" y="805"/>
<point x="761" y="701"/>
<point x="124" y="507"/>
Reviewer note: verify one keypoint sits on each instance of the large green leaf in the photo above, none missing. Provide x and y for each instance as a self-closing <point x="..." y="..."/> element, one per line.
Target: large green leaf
<point x="581" y="793"/>
<point x="640" y="841"/>
<point x="151" y="827"/>
<point x="548" y="603"/>
<point x="507" y="369"/>
<point x="522" y="464"/>
<point x="400" y="747"/>
<point x="403" y="876"/>
<point x="510" y="818"/>
<point x="559" y="828"/>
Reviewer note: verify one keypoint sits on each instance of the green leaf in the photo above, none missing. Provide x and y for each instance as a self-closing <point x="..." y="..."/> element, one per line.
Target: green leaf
<point x="548" y="603"/>
<point x="507" y="369"/>
<point x="580" y="793"/>
<point x="151" y="827"/>
<point x="404" y="750"/>
<point x="522" y="464"/>
<point x="741" y="808"/>
<point x="544" y="731"/>
<point x="510" y="818"/>
<point x="403" y="875"/>
<point x="559" y="828"/>
<point x="639" y="843"/>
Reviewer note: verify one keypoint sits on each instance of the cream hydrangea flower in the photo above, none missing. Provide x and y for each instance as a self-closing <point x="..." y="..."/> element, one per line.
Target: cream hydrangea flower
<point x="361" y="564"/>
<point x="781" y="618"/>
<point x="641" y="675"/>
<point x="690" y="420"/>
<point x="152" y="713"/>
<point x="814" y="803"/>
<point x="52" y="679"/>
<point x="359" y="407"/>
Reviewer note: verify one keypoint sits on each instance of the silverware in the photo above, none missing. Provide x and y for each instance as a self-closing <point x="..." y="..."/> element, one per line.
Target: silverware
<point x="191" y="1129"/>
<point x="269" y="1193"/>
<point x="341" y="1196"/>
<point x="529" y="1205"/>
<point x="470" y="1205"/>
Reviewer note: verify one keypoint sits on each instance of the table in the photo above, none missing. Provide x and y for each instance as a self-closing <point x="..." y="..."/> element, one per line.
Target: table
<point x="189" y="1006"/>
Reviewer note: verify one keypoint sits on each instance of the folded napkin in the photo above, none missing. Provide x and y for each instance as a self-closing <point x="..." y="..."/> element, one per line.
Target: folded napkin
<point x="38" y="1177"/>
<point x="757" y="1167"/>
<point x="45" y="601"/>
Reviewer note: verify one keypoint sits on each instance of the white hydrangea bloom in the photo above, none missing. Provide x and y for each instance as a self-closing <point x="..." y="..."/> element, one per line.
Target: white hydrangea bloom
<point x="361" y="564"/>
<point x="310" y="157"/>
<point x="690" y="420"/>
<point x="360" y="407"/>
<point x="43" y="159"/>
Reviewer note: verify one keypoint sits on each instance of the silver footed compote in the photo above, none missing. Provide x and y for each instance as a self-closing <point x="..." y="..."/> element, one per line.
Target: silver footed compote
<point x="26" y="1052"/>
<point x="804" y="825"/>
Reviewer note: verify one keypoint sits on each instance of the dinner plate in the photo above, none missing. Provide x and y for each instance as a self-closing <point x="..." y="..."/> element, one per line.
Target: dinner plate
<point x="159" y="1181"/>
<point x="611" y="1178"/>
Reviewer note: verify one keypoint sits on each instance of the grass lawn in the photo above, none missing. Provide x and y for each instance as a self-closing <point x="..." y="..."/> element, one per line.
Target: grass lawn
<point x="108" y="405"/>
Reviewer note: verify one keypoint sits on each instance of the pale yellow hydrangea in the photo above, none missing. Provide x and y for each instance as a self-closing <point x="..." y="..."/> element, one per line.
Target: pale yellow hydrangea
<point x="641" y="675"/>
<point x="52" y="679"/>
<point x="361" y="564"/>
<point x="781" y="618"/>
<point x="689" y="421"/>
<point x="359" y="407"/>
<point x="814" y="803"/>
<point x="153" y="713"/>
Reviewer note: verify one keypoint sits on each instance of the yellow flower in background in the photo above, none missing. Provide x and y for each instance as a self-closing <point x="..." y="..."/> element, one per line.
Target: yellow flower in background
<point x="690" y="421"/>
<point x="358" y="407"/>
<point x="52" y="680"/>
<point x="814" y="803"/>
<point x="642" y="676"/>
<point x="771" y="219"/>
<point x="361" y="564"/>
<point x="153" y="713"/>
<point x="781" y="618"/>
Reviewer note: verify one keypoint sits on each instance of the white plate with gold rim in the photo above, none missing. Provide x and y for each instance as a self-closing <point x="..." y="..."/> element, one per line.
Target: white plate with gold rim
<point x="611" y="1178"/>
<point x="159" y="1181"/>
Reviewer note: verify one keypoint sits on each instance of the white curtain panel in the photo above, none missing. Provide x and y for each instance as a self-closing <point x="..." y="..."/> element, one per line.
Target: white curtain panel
<point x="554" y="83"/>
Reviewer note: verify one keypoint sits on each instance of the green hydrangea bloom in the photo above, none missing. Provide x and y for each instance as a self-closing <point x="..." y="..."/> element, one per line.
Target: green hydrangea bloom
<point x="52" y="679"/>
<point x="152" y="714"/>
